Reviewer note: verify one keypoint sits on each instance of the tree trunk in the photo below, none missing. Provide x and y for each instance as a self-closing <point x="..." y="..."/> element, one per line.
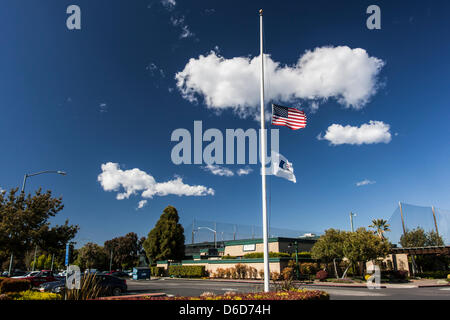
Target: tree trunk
<point x="335" y="269"/>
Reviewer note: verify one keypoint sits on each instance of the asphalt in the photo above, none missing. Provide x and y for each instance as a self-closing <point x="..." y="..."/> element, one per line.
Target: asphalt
<point x="184" y="287"/>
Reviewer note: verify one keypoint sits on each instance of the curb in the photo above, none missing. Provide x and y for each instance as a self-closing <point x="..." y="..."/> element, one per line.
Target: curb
<point x="132" y="296"/>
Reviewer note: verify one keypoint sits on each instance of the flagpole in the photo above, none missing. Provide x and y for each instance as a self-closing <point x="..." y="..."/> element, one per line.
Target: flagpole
<point x="263" y="164"/>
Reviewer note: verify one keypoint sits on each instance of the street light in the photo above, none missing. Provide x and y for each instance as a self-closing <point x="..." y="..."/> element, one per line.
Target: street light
<point x="26" y="176"/>
<point x="37" y="173"/>
<point x="212" y="230"/>
<point x="296" y="258"/>
<point x="351" y="220"/>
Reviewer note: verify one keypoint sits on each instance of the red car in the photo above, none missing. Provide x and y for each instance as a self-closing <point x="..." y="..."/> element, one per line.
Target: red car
<point x="42" y="277"/>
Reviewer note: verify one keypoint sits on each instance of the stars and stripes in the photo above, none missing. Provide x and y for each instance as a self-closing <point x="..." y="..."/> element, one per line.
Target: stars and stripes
<point x="289" y="117"/>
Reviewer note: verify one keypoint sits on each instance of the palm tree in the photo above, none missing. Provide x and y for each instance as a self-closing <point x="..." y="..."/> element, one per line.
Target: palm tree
<point x="381" y="226"/>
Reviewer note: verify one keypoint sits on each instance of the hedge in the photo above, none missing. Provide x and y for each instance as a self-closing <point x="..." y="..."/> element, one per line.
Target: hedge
<point x="187" y="271"/>
<point x="157" y="271"/>
<point x="256" y="255"/>
<point x="14" y="285"/>
<point x="434" y="274"/>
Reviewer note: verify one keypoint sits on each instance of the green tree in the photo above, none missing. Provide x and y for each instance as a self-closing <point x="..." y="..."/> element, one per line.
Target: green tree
<point x="381" y="226"/>
<point x="24" y="222"/>
<point x="125" y="250"/>
<point x="92" y="256"/>
<point x="419" y="238"/>
<point x="329" y="247"/>
<point x="166" y="240"/>
<point x="434" y="239"/>
<point x="362" y="246"/>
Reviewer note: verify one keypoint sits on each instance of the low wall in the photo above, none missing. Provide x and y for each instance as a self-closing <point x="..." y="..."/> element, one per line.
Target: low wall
<point x="211" y="266"/>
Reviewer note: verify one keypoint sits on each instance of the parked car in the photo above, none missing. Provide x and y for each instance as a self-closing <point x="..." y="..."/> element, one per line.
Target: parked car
<point x="40" y="278"/>
<point x="118" y="274"/>
<point x="111" y="285"/>
<point x="28" y="274"/>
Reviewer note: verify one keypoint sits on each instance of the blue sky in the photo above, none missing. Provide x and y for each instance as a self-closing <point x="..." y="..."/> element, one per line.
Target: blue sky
<point x="74" y="100"/>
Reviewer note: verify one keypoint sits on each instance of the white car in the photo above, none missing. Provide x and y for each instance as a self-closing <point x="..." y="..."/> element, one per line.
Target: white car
<point x="29" y="274"/>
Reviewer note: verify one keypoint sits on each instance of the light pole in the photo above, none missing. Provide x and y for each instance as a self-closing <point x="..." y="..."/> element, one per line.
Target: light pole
<point x="296" y="258"/>
<point x="26" y="176"/>
<point x="212" y="230"/>
<point x="351" y="220"/>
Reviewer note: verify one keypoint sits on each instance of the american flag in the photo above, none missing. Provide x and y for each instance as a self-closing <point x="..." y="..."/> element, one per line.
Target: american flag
<point x="289" y="117"/>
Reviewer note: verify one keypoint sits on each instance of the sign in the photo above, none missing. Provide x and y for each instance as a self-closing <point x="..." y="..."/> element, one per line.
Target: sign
<point x="249" y="247"/>
<point x="67" y="255"/>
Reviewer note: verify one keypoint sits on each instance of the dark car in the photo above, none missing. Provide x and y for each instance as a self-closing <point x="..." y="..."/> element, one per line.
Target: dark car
<point x="118" y="274"/>
<point x="111" y="285"/>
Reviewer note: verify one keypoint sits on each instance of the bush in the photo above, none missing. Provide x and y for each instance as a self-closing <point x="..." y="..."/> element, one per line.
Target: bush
<point x="14" y="285"/>
<point x="259" y="255"/>
<point x="275" y="276"/>
<point x="321" y="275"/>
<point x="31" y="295"/>
<point x="157" y="271"/>
<point x="228" y="257"/>
<point x="241" y="270"/>
<point x="308" y="268"/>
<point x="187" y="271"/>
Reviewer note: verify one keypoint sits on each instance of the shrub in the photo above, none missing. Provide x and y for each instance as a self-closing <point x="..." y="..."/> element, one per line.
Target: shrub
<point x="14" y="285"/>
<point x="228" y="257"/>
<point x="308" y="268"/>
<point x="275" y="276"/>
<point x="287" y="273"/>
<point x="259" y="255"/>
<point x="228" y="273"/>
<point x="187" y="271"/>
<point x="157" y="271"/>
<point x="31" y="295"/>
<point x="253" y="272"/>
<point x="89" y="289"/>
<point x="220" y="273"/>
<point x="261" y="274"/>
<point x="321" y="275"/>
<point x="241" y="270"/>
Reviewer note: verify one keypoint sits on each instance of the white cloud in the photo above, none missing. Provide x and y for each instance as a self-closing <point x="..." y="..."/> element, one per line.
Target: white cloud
<point x="368" y="133"/>
<point x="1" y="189"/>
<point x="103" y="107"/>
<point x="218" y="170"/>
<point x="244" y="172"/>
<point x="169" y="4"/>
<point x="345" y="74"/>
<point x="135" y="180"/>
<point x="180" y="22"/>
<point x="142" y="204"/>
<point x="364" y="183"/>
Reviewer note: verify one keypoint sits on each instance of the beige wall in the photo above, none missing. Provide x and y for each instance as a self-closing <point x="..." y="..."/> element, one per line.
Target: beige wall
<point x="401" y="260"/>
<point x="212" y="267"/>
<point x="237" y="250"/>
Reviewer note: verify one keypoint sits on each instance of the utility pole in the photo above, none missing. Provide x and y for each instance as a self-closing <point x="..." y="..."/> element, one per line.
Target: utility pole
<point x="110" y="260"/>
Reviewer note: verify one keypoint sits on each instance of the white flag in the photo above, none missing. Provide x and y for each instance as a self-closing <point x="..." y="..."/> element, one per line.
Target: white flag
<point x="281" y="167"/>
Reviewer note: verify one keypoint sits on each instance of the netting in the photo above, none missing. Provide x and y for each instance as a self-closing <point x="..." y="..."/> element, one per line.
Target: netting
<point x="418" y="216"/>
<point x="202" y="231"/>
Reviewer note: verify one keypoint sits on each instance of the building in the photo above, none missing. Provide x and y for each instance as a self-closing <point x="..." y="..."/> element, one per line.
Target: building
<point x="227" y="254"/>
